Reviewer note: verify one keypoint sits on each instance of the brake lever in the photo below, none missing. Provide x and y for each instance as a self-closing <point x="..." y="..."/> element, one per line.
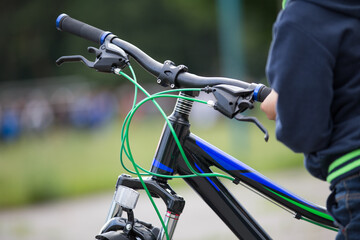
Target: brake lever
<point x="108" y="57"/>
<point x="75" y="58"/>
<point x="243" y="118"/>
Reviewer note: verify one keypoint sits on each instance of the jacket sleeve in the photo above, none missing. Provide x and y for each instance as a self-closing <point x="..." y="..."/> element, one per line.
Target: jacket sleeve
<point x="300" y="70"/>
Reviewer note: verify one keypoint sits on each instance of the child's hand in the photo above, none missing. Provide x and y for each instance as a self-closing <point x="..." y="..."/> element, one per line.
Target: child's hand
<point x="268" y="106"/>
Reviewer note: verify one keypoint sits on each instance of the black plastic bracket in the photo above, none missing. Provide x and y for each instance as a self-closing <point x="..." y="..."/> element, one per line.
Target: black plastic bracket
<point x="130" y="221"/>
<point x="298" y="216"/>
<point x="173" y="202"/>
<point x="232" y="99"/>
<point x="236" y="181"/>
<point x="169" y="73"/>
<point x="115" y="229"/>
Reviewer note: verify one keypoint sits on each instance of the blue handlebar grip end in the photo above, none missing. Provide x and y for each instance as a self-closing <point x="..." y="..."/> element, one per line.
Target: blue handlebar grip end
<point x="256" y="91"/>
<point x="58" y="20"/>
<point x="103" y="37"/>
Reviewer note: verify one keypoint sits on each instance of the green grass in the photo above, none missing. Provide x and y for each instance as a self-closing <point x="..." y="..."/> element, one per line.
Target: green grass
<point x="68" y="163"/>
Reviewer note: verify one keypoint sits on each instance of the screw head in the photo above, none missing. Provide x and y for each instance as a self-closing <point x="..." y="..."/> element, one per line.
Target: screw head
<point x="128" y="227"/>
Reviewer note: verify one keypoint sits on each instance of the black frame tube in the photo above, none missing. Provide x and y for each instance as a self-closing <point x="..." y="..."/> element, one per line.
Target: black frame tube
<point x="215" y="194"/>
<point x="221" y="201"/>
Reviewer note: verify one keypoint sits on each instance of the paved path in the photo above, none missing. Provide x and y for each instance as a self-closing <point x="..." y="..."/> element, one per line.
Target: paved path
<point x="81" y="218"/>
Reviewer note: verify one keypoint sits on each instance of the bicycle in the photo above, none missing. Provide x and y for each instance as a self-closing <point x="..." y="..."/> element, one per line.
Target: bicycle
<point x="181" y="154"/>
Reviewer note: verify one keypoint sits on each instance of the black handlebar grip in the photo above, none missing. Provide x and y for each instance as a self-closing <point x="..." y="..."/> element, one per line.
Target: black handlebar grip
<point x="76" y="27"/>
<point x="261" y="92"/>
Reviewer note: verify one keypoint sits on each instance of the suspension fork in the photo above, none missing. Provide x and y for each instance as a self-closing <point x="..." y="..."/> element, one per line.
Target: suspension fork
<point x="167" y="153"/>
<point x="174" y="203"/>
<point x="164" y="163"/>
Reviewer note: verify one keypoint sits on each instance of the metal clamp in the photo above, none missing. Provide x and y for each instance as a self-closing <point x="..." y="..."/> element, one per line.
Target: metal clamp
<point x="169" y="73"/>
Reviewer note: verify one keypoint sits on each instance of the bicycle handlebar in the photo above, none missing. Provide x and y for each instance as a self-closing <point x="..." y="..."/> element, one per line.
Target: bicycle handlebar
<point x="67" y="24"/>
<point x="184" y="79"/>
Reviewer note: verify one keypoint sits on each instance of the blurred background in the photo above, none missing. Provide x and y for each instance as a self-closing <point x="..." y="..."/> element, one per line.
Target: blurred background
<point x="60" y="126"/>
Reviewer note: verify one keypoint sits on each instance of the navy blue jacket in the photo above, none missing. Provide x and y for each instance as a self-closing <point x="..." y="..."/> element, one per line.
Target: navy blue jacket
<point x="314" y="66"/>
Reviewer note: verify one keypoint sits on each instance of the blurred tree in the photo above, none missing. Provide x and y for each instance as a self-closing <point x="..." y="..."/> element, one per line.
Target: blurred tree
<point x="258" y="20"/>
<point x="183" y="31"/>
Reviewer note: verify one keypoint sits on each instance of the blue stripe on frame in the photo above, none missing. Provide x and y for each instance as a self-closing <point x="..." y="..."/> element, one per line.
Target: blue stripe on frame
<point x="158" y="164"/>
<point x="230" y="163"/>
<point x="208" y="178"/>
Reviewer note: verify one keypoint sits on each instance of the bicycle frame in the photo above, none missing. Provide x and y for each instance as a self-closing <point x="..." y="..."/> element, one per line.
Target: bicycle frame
<point x="202" y="155"/>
